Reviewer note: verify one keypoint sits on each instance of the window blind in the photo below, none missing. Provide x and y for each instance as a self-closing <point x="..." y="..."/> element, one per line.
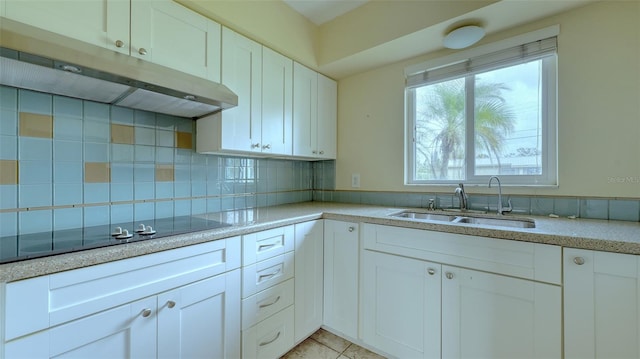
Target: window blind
<point x="482" y="63"/>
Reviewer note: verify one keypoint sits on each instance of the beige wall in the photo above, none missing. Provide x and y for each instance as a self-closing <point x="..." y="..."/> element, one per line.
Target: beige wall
<point x="598" y="119"/>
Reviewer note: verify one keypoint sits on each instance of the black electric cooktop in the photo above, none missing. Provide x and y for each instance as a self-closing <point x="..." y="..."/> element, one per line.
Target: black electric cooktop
<point x="28" y="246"/>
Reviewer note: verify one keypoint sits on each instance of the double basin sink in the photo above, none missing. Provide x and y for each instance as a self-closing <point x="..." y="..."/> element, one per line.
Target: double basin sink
<point x="466" y="218"/>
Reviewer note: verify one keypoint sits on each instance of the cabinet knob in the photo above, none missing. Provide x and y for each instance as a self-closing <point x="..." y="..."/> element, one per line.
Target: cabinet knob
<point x="146" y="313"/>
<point x="142" y="51"/>
<point x="314" y="152"/>
<point x="351" y="229"/>
<point x="578" y="260"/>
<point x="171" y="304"/>
<point x="119" y="43"/>
<point x="255" y="145"/>
<point x="266" y="147"/>
<point x="431" y="271"/>
<point x="322" y="152"/>
<point x="449" y="275"/>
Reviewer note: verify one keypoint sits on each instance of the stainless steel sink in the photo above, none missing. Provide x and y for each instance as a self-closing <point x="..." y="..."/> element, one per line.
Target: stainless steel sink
<point x="487" y="221"/>
<point x="500" y="222"/>
<point x="425" y="216"/>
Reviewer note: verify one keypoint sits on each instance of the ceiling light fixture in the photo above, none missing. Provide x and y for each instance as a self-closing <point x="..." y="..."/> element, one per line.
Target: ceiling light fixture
<point x="463" y="36"/>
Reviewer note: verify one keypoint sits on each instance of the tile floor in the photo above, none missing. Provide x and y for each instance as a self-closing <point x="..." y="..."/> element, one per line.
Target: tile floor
<point x="325" y="345"/>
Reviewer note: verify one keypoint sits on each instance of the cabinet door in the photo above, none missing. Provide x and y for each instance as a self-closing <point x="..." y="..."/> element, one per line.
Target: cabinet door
<point x="308" y="278"/>
<point x="601" y="304"/>
<point x="492" y="316"/>
<point x="327" y="117"/>
<point x="401" y="305"/>
<point x="99" y="22"/>
<point x="305" y="111"/>
<point x="242" y="74"/>
<point x="128" y="331"/>
<point x="171" y="35"/>
<point x="341" y="268"/>
<point x="277" y="103"/>
<point x="201" y="320"/>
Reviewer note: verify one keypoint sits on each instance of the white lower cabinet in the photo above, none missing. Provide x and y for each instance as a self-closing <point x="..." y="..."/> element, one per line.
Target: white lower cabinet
<point x="341" y="269"/>
<point x="121" y="332"/>
<point x="487" y="315"/>
<point x="268" y="293"/>
<point x="308" y="278"/>
<point x="601" y="304"/>
<point x="201" y="320"/>
<point x="271" y="337"/>
<point x="418" y="308"/>
<point x="194" y="321"/>
<point x="180" y="303"/>
<point x="401" y="312"/>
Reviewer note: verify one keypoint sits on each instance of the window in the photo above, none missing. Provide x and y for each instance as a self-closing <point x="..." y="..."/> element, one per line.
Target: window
<point x="491" y="114"/>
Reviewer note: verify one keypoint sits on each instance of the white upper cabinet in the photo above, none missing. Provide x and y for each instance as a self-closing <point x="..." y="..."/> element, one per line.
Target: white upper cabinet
<point x="277" y="103"/>
<point x="601" y="304"/>
<point x="241" y="73"/>
<point x="101" y="22"/>
<point x="261" y="124"/>
<point x="168" y="34"/>
<point x="160" y="31"/>
<point x="327" y="117"/>
<point x="314" y="114"/>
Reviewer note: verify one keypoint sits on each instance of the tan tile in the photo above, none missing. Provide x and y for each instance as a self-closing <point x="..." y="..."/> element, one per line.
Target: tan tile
<point x="8" y="172"/>
<point x="97" y="172"/>
<point x="331" y="340"/>
<point x="311" y="349"/>
<point x="164" y="173"/>
<point x="122" y="134"/>
<point x="184" y="140"/>
<point x="36" y="125"/>
<point x="358" y="352"/>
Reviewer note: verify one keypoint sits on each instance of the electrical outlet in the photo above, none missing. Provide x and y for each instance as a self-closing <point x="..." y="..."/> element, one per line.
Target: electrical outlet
<point x="355" y="180"/>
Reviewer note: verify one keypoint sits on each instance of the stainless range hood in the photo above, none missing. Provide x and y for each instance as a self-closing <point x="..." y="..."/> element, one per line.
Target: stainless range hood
<point x="39" y="60"/>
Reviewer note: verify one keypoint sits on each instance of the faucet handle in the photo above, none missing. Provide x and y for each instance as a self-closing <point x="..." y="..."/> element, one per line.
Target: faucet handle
<point x="509" y="208"/>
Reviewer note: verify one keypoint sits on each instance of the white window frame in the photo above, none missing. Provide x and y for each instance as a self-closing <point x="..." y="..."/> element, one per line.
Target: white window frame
<point x="549" y="175"/>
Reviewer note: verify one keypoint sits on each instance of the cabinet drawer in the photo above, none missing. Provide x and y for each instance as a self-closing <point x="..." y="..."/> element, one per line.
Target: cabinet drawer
<point x="262" y="275"/>
<point x="264" y="304"/>
<point x="65" y="296"/>
<point x="267" y="244"/>
<point x="534" y="261"/>
<point x="270" y="338"/>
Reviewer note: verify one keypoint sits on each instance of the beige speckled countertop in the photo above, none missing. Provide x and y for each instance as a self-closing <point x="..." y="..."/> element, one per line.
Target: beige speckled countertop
<point x="611" y="236"/>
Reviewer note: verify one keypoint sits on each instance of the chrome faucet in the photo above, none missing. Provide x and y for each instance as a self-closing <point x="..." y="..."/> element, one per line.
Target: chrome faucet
<point x="463" y="196"/>
<point x="501" y="210"/>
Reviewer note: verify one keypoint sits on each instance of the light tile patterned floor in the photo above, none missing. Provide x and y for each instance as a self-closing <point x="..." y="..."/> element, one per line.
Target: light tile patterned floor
<point x="325" y="345"/>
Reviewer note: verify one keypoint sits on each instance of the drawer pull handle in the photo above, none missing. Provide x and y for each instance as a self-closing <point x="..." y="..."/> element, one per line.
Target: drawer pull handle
<point x="268" y="276"/>
<point x="351" y="229"/>
<point x="431" y="271"/>
<point x="146" y="313"/>
<point x="171" y="304"/>
<point x="270" y="304"/>
<point x="270" y="341"/>
<point x="578" y="260"/>
<point x="265" y="246"/>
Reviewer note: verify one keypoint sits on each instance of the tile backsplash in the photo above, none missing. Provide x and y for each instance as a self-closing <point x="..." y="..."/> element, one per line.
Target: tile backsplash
<point x="68" y="163"/>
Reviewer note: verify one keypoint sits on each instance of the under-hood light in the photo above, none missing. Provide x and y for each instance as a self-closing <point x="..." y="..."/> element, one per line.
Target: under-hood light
<point x="71" y="68"/>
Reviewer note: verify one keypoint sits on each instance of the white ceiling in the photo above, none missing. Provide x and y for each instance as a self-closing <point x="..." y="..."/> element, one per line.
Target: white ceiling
<point x="321" y="11"/>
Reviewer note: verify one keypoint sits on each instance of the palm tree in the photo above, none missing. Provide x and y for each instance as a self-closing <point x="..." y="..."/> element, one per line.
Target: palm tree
<point x="440" y="125"/>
